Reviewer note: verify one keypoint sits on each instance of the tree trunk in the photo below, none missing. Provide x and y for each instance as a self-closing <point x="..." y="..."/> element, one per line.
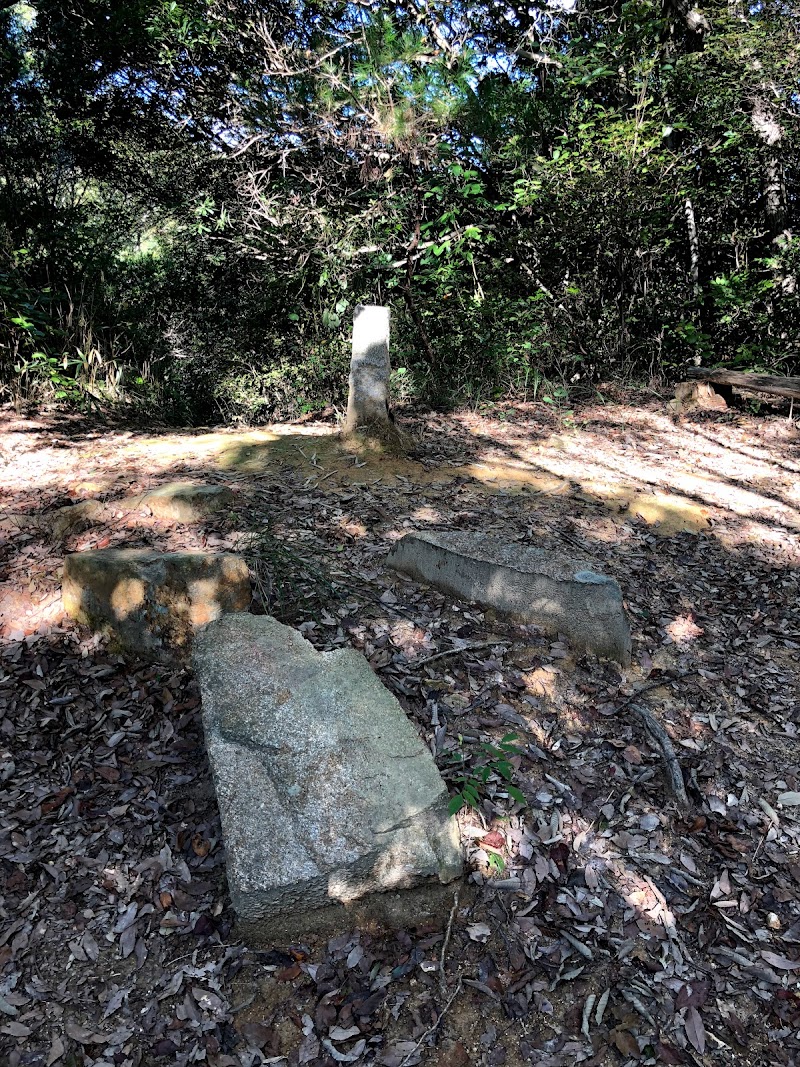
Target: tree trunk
<point x="773" y="180"/>
<point x="408" y="294"/>
<point x="699" y="270"/>
<point x="694" y="246"/>
<point x="774" y="384"/>
<point x="686" y="28"/>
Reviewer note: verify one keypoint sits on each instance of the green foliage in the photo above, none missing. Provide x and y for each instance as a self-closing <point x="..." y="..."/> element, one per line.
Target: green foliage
<point x="194" y="197"/>
<point x="483" y="764"/>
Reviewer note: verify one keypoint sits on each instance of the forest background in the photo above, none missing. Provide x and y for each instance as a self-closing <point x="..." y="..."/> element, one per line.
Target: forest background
<point x="194" y="196"/>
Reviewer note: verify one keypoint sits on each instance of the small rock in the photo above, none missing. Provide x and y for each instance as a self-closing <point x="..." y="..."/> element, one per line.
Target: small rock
<point x="73" y="517"/>
<point x="698" y="395"/>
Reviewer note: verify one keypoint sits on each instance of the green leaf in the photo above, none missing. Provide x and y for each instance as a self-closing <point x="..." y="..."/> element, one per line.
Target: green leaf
<point x="505" y="770"/>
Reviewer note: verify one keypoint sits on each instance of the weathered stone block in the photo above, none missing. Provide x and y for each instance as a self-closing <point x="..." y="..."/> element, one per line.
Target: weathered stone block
<point x="73" y="517"/>
<point x="699" y="395"/>
<point x="368" y="399"/>
<point x="369" y="422"/>
<point x="525" y="584"/>
<point x="333" y="812"/>
<point x="144" y="599"/>
<point x="185" y="501"/>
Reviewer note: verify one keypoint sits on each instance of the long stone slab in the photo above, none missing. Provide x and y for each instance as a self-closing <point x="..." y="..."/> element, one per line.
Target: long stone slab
<point x="525" y="584"/>
<point x="333" y="812"/>
<point x="145" y="599"/>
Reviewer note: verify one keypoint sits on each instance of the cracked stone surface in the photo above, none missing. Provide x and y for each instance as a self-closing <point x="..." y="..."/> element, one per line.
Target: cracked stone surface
<point x="526" y="584"/>
<point x="333" y="812"/>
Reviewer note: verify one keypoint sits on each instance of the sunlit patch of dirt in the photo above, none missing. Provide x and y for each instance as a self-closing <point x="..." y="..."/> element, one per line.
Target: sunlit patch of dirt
<point x="635" y="464"/>
<point x="542" y="682"/>
<point x="502" y="474"/>
<point x="683" y="630"/>
<point x="669" y="513"/>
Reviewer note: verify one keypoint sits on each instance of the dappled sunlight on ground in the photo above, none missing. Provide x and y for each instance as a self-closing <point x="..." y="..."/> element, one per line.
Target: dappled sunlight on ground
<point x="597" y="891"/>
<point x="633" y="464"/>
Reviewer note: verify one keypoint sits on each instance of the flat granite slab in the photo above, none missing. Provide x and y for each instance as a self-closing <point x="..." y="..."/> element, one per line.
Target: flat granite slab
<point x="526" y="584"/>
<point x="333" y="812"/>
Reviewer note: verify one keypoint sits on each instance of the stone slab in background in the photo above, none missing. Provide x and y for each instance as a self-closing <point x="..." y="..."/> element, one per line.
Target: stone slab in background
<point x="333" y="812"/>
<point x="145" y="599"/>
<point x="184" y="501"/>
<point x="528" y="585"/>
<point x="72" y="518"/>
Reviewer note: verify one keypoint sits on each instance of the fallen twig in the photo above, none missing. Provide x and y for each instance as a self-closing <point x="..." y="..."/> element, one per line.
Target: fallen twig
<point x="325" y="477"/>
<point x="662" y="682"/>
<point x="661" y="737"/>
<point x="434" y="1027"/>
<point x="445" y="943"/>
<point x="455" y="652"/>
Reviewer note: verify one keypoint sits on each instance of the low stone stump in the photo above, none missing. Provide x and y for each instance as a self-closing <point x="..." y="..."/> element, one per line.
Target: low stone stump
<point x="700" y="396"/>
<point x="333" y="812"/>
<point x="73" y="517"/>
<point x="525" y="584"/>
<point x="184" y="501"/>
<point x="144" y="599"/>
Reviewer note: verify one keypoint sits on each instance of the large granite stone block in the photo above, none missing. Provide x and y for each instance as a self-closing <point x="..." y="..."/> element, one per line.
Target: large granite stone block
<point x="525" y="584"/>
<point x="333" y="812"/>
<point x="144" y="599"/>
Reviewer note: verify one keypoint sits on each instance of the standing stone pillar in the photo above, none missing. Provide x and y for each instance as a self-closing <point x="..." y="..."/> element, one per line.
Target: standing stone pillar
<point x="368" y="401"/>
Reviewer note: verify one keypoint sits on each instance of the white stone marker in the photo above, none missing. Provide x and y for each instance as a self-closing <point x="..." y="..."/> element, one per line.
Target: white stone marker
<point x="368" y="401"/>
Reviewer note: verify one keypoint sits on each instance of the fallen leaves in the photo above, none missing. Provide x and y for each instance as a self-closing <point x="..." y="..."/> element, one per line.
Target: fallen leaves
<point x="628" y="932"/>
<point x="695" y="1030"/>
<point x="781" y="962"/>
<point x="479" y="932"/>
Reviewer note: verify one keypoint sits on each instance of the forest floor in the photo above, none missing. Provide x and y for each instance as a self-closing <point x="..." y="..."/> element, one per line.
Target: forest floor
<point x="601" y="924"/>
